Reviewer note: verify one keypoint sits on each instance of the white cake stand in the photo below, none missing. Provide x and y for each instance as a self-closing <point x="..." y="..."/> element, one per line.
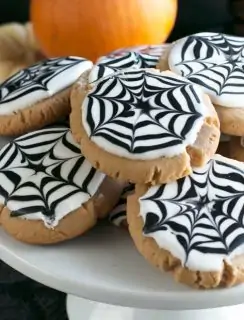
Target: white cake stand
<point x="104" y="266"/>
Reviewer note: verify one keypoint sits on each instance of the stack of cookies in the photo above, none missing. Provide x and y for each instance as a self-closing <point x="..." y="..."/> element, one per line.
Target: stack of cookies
<point x="49" y="192"/>
<point x="144" y="126"/>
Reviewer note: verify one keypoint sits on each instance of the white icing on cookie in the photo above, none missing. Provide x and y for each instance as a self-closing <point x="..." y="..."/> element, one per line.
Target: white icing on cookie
<point x="214" y="61"/>
<point x="141" y="114"/>
<point x="44" y="176"/>
<point x="130" y="58"/>
<point x="39" y="82"/>
<point x="150" y="54"/>
<point x="200" y="218"/>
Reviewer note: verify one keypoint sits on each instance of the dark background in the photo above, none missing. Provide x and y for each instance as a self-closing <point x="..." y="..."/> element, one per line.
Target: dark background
<point x="24" y="299"/>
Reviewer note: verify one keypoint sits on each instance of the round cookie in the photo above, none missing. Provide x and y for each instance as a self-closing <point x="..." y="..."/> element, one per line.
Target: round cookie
<point x="142" y="125"/>
<point x="237" y="148"/>
<point x="49" y="192"/>
<point x="38" y="95"/>
<point x="215" y="62"/>
<point x="136" y="57"/>
<point x="194" y="227"/>
<point x="118" y="215"/>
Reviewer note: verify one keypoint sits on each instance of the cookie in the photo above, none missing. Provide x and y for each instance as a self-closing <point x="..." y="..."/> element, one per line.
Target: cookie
<point x="118" y="215"/>
<point x="224" y="146"/>
<point x="215" y="62"/>
<point x="194" y="227"/>
<point x="39" y="95"/>
<point x="136" y="57"/>
<point x="48" y="191"/>
<point x="143" y="126"/>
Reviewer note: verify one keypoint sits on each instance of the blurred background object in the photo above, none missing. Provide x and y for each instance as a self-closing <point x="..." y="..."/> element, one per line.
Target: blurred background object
<point x="92" y="28"/>
<point x="18" y="48"/>
<point x="193" y="15"/>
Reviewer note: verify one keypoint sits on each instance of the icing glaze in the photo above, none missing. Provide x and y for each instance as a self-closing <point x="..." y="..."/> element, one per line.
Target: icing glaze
<point x="131" y="60"/>
<point x="142" y="114"/>
<point x="39" y="82"/>
<point x="200" y="218"/>
<point x="214" y="61"/>
<point x="44" y="176"/>
<point x="149" y="55"/>
<point x="154" y="50"/>
<point x="133" y="57"/>
<point x="118" y="214"/>
<point x="99" y="72"/>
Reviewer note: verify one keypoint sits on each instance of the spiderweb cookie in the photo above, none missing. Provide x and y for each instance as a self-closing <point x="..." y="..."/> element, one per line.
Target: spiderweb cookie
<point x="215" y="62"/>
<point x="49" y="192"/>
<point x="194" y="227"/>
<point x="142" y="125"/>
<point x="38" y="95"/>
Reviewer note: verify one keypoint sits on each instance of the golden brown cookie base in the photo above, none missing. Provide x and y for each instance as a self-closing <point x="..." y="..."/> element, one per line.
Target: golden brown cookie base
<point x="78" y="93"/>
<point x="160" y="170"/>
<point x="231" y="120"/>
<point x="35" y="232"/>
<point x="37" y="116"/>
<point x="236" y="149"/>
<point x="162" y="259"/>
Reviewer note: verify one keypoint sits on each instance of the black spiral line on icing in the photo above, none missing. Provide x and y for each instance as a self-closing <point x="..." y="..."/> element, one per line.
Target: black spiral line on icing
<point x="35" y="78"/>
<point x="152" y="50"/>
<point x="34" y="172"/>
<point x="139" y="104"/>
<point x="207" y="212"/>
<point x="118" y="214"/>
<point x="127" y="60"/>
<point x="214" y="61"/>
<point x="131" y="59"/>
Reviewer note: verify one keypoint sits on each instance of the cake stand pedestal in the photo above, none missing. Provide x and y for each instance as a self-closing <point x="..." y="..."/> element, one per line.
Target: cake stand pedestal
<point x="104" y="266"/>
<point x="100" y="311"/>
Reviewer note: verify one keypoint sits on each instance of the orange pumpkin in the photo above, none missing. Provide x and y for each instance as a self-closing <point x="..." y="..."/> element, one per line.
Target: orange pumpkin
<point x="91" y="28"/>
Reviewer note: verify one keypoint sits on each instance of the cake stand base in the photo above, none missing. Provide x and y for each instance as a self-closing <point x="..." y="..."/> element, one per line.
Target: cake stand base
<point x="79" y="309"/>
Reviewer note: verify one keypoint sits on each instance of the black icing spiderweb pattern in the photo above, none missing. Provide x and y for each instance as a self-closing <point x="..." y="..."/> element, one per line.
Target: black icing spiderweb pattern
<point x="204" y="212"/>
<point x="142" y="112"/>
<point x="42" y="170"/>
<point x="214" y="61"/>
<point x="131" y="59"/>
<point x="35" y="78"/>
